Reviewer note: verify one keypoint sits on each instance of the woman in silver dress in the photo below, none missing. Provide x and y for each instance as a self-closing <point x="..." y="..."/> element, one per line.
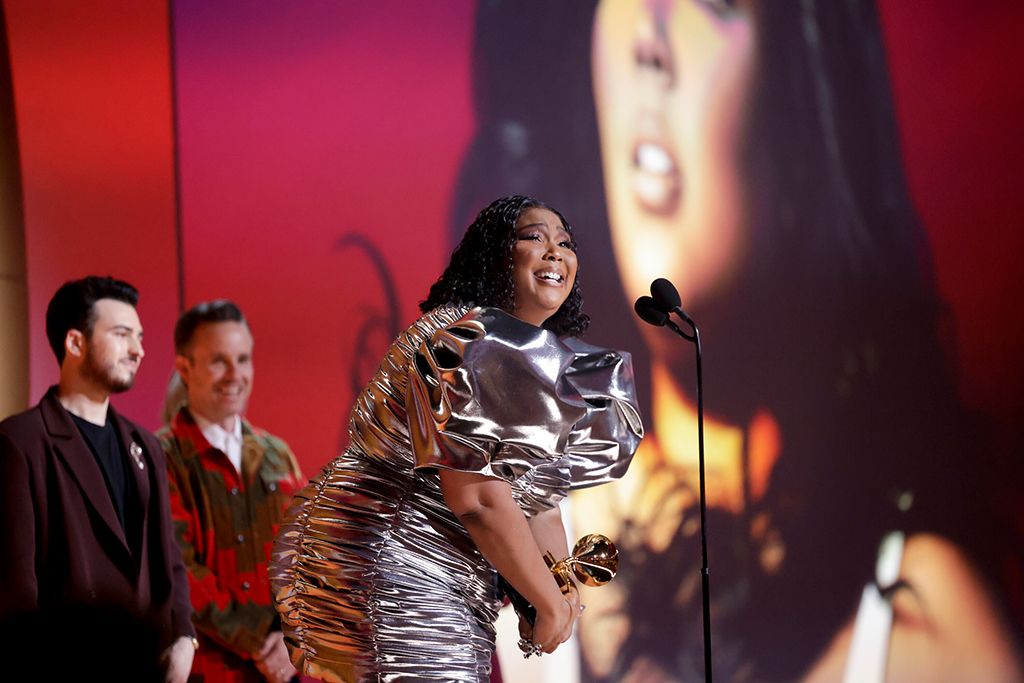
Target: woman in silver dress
<point x="481" y="417"/>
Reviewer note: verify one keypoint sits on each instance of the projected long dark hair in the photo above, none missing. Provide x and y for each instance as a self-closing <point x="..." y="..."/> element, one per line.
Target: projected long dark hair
<point x="835" y="324"/>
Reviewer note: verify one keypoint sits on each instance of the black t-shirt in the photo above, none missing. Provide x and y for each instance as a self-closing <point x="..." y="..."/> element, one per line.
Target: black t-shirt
<point x="113" y="459"/>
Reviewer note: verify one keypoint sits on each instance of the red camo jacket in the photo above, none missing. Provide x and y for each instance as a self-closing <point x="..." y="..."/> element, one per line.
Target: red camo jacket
<point x="225" y="525"/>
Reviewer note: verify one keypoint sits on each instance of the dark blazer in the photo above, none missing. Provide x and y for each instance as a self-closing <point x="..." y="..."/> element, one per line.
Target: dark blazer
<point x="61" y="542"/>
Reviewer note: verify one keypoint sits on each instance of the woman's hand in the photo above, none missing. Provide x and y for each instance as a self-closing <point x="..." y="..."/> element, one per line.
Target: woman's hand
<point x="527" y="630"/>
<point x="554" y="626"/>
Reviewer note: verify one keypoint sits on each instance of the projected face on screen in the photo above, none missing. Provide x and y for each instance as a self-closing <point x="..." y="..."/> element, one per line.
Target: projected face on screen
<point x="746" y="151"/>
<point x="670" y="82"/>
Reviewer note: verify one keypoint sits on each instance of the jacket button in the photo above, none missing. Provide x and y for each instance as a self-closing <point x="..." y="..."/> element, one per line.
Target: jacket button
<point x="234" y="490"/>
<point x="245" y="585"/>
<point x="272" y="487"/>
<point x="241" y="538"/>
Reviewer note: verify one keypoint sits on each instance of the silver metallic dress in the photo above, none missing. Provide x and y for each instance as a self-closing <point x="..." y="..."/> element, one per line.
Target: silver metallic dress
<point x="374" y="577"/>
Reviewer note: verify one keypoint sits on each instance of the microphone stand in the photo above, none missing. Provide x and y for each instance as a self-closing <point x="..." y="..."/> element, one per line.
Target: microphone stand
<point x="705" y="580"/>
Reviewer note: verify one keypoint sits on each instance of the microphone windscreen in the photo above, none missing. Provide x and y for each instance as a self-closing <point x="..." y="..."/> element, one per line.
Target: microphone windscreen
<point x="665" y="295"/>
<point x="649" y="312"/>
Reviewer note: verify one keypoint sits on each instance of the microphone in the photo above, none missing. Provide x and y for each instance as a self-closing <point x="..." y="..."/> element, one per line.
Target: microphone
<point x="650" y="312"/>
<point x="653" y="313"/>
<point x="655" y="310"/>
<point x="666" y="297"/>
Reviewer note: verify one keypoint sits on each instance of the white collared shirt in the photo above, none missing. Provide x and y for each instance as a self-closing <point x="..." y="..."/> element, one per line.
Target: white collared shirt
<point x="227" y="442"/>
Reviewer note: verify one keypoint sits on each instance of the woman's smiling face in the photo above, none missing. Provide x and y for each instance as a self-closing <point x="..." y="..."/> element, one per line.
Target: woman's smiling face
<point x="543" y="265"/>
<point x="671" y="79"/>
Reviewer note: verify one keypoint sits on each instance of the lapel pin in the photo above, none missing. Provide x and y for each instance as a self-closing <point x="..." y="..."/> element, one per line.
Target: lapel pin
<point x="136" y="452"/>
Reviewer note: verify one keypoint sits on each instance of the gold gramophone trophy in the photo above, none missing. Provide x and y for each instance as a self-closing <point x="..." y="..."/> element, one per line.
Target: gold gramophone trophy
<point x="594" y="561"/>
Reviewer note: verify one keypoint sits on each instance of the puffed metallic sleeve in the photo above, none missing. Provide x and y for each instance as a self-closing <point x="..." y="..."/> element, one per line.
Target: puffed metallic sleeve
<point x="489" y="394"/>
<point x="602" y="442"/>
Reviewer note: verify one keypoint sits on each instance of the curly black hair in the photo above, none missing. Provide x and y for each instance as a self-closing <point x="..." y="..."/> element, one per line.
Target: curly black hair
<point x="480" y="270"/>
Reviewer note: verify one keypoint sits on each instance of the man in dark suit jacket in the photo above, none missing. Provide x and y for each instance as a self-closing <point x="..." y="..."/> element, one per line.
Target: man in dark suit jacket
<point x="83" y="491"/>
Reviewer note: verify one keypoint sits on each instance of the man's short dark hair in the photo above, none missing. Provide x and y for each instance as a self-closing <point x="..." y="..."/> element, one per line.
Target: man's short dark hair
<point x="73" y="307"/>
<point x="219" y="311"/>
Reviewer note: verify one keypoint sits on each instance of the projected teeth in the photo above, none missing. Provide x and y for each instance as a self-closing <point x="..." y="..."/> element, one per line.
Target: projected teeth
<point x="654" y="159"/>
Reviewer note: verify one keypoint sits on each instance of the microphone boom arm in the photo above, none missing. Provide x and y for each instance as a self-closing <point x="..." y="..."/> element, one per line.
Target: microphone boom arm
<point x="692" y="337"/>
<point x="656" y="310"/>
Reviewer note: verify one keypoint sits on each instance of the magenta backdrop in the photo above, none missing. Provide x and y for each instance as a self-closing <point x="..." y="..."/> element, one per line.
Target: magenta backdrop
<point x="299" y="123"/>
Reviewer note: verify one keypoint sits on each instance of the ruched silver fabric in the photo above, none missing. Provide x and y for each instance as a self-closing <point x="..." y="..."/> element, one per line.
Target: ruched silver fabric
<point x="374" y="578"/>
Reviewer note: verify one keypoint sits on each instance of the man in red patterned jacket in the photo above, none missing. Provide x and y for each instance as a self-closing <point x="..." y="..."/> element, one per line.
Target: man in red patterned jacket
<point x="230" y="484"/>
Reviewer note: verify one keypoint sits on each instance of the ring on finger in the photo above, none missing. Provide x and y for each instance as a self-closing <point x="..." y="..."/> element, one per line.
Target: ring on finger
<point x="530" y="648"/>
